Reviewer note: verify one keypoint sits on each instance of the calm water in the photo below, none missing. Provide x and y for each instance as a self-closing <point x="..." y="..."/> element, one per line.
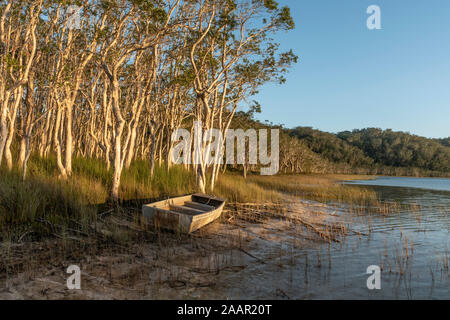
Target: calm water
<point x="416" y="183"/>
<point x="339" y="271"/>
<point x="424" y="222"/>
<point x="411" y="246"/>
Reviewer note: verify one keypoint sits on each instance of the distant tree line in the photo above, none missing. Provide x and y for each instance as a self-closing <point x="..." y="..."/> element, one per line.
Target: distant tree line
<point x="445" y="141"/>
<point x="378" y="151"/>
<point x="399" y="149"/>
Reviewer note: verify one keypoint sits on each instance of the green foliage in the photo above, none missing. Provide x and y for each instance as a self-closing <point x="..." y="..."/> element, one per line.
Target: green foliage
<point x="367" y="151"/>
<point x="399" y="149"/>
<point x="331" y="147"/>
<point x="444" y="142"/>
<point x="285" y="19"/>
<point x="270" y="4"/>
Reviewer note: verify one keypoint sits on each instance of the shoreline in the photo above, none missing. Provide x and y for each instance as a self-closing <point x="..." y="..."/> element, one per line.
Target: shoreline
<point x="174" y="267"/>
<point x="121" y="257"/>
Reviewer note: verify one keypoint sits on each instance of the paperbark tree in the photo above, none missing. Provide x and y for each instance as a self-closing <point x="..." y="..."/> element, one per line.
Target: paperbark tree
<point x="18" y="41"/>
<point x="119" y="82"/>
<point x="223" y="38"/>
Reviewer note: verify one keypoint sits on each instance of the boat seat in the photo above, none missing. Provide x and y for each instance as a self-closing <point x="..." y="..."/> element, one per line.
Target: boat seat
<point x="185" y="210"/>
<point x="199" y="206"/>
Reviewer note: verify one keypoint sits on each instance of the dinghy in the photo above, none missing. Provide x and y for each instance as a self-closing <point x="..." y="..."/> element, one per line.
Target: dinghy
<point x="184" y="214"/>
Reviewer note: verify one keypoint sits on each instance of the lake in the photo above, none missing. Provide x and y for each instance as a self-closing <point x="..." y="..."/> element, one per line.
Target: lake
<point x="410" y="245"/>
<point x="440" y="184"/>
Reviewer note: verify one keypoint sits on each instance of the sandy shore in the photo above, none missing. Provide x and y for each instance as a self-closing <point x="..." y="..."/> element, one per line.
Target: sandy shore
<point x="220" y="261"/>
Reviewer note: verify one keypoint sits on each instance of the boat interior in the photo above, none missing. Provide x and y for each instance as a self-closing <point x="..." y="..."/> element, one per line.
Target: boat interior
<point x="194" y="205"/>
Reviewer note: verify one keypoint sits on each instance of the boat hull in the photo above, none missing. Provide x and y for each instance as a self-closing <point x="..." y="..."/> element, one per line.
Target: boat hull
<point x="184" y="214"/>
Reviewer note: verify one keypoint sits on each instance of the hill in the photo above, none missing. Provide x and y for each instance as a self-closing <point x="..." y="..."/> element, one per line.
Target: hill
<point x="379" y="151"/>
<point x="331" y="147"/>
<point x="399" y="149"/>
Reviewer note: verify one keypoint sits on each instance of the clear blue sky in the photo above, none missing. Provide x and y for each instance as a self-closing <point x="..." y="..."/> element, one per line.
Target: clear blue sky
<point x="349" y="77"/>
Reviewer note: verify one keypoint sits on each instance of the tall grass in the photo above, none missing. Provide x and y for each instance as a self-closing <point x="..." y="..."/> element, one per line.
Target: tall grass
<point x="40" y="203"/>
<point x="137" y="183"/>
<point x="235" y="188"/>
<point x="44" y="201"/>
<point x="323" y="188"/>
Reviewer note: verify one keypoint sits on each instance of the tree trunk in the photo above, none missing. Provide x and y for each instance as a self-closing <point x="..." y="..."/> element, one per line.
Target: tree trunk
<point x="131" y="146"/>
<point x="201" y="177"/>
<point x="3" y="131"/>
<point x="152" y="149"/>
<point x="57" y="143"/>
<point x="12" y="124"/>
<point x="22" y="151"/>
<point x="69" y="140"/>
<point x="120" y="123"/>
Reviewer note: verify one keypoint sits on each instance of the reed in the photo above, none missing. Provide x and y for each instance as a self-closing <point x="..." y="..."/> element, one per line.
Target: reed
<point x="43" y="202"/>
<point x="323" y="188"/>
<point x="235" y="188"/>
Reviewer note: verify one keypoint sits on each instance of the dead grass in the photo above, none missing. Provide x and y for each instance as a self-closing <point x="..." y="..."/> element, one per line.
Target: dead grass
<point x="235" y="188"/>
<point x="46" y="222"/>
<point x="322" y="188"/>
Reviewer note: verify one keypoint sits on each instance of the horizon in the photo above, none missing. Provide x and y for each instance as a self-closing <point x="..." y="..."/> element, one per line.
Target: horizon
<point x="349" y="76"/>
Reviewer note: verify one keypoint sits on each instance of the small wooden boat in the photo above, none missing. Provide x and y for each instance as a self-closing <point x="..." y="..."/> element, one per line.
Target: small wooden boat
<point x="184" y="214"/>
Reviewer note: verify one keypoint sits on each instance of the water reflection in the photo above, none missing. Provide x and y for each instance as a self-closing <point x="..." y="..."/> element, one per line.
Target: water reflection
<point x="442" y="184"/>
<point x="411" y="246"/>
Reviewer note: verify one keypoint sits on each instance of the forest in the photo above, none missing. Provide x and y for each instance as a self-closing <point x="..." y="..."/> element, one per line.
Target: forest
<point x="378" y="151"/>
<point x="113" y="79"/>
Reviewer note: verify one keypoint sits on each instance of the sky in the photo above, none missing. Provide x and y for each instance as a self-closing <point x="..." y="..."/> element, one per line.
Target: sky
<point x="349" y="77"/>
